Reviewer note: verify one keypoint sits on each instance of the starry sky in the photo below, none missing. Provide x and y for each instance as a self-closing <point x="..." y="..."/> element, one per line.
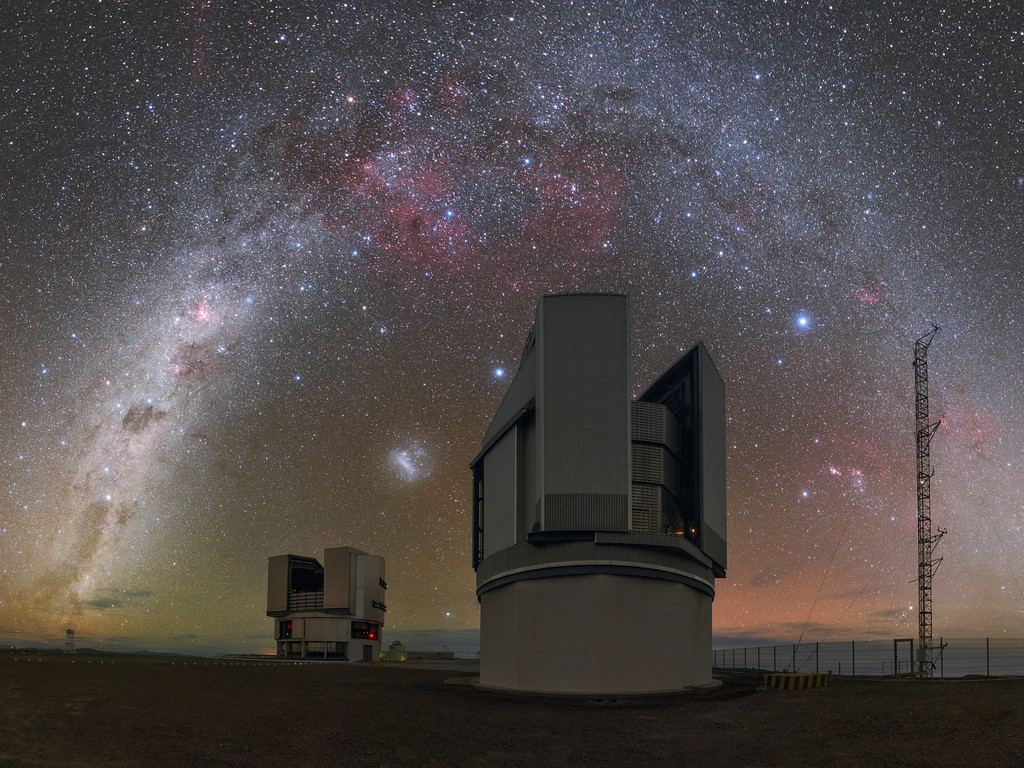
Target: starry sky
<point x="267" y="270"/>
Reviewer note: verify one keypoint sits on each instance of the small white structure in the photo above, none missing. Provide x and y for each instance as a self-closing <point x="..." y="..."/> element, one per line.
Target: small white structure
<point x="331" y="611"/>
<point x="396" y="651"/>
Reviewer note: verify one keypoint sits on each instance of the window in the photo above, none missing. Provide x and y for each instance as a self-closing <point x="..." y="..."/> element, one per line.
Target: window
<point x="365" y="630"/>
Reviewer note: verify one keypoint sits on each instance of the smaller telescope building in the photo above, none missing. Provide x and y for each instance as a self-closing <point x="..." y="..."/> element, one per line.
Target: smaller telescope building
<point x="330" y="611"/>
<point x="599" y="521"/>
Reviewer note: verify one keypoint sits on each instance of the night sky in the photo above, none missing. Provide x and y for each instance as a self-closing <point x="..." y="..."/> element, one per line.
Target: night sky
<point x="267" y="270"/>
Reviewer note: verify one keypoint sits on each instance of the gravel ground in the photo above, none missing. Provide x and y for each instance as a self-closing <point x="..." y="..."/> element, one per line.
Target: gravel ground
<point x="91" y="710"/>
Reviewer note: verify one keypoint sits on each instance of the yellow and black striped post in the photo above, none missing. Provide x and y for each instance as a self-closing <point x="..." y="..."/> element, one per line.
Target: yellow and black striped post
<point x="797" y="682"/>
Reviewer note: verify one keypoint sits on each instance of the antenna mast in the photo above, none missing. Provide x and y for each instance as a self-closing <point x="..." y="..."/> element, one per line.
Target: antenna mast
<point x="926" y="541"/>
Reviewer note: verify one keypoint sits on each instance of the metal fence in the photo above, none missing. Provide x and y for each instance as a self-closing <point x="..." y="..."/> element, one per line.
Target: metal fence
<point x="958" y="657"/>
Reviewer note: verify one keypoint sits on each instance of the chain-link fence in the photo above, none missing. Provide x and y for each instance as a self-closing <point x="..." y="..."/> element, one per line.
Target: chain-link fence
<point x="952" y="657"/>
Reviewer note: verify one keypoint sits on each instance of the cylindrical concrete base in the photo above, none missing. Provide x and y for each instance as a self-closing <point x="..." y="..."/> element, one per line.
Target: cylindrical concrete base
<point x="596" y="634"/>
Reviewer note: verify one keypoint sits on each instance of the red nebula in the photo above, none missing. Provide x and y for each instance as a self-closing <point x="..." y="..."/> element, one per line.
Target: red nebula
<point x="415" y="198"/>
<point x="873" y="292"/>
<point x="202" y="312"/>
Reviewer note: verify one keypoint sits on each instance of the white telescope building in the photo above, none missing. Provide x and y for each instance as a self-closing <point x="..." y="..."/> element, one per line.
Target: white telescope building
<point x="330" y="611"/>
<point x="599" y="522"/>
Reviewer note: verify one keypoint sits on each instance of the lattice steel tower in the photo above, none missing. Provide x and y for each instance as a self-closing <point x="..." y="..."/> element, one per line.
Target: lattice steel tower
<point x="926" y="541"/>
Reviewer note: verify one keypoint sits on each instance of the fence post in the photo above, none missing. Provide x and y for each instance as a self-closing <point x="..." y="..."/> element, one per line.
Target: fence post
<point x="734" y="658"/>
<point x="853" y="657"/>
<point x="775" y="658"/>
<point x="744" y="658"/>
<point x="988" y="668"/>
<point x="816" y="657"/>
<point x="942" y="659"/>
<point x="759" y="657"/>
<point x="793" y="668"/>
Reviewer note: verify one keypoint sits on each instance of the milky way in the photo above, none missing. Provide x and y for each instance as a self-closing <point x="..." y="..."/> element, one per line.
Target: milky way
<point x="266" y="271"/>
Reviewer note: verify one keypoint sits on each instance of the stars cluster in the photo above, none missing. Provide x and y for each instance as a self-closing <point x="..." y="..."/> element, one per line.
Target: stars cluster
<point x="267" y="274"/>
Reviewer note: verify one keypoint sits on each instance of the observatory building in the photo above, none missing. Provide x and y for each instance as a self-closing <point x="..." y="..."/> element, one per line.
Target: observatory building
<point x="599" y="523"/>
<point x="331" y="611"/>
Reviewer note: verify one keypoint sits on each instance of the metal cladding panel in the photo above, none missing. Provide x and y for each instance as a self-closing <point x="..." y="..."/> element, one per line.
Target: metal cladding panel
<point x="583" y="411"/>
<point x="527" y="502"/>
<point x="648" y="422"/>
<point x="646" y="497"/>
<point x="646" y="508"/>
<point x="712" y="459"/>
<point x="655" y="464"/>
<point x="277" y="584"/>
<point x="337" y="583"/>
<point x="499" y="497"/>
<point x="370" y="595"/>
<point x="527" y="556"/>
<point x="586" y="512"/>
<point x="321" y="629"/>
<point x="646" y="521"/>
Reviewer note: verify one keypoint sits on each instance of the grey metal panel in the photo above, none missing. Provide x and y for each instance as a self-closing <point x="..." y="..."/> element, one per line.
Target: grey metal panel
<point x="645" y="508"/>
<point x="648" y="422"/>
<point x="583" y="408"/>
<point x="663" y="540"/>
<point x="338" y="588"/>
<point x="499" y="498"/>
<point x="712" y="459"/>
<point x="645" y="521"/>
<point x="714" y="543"/>
<point x="369" y="588"/>
<point x="585" y="511"/>
<point x="647" y="464"/>
<point x="527" y="496"/>
<point x="646" y="496"/>
<point x="586" y="569"/>
<point x="528" y="556"/>
<point x="277" y="584"/>
<point x="654" y="423"/>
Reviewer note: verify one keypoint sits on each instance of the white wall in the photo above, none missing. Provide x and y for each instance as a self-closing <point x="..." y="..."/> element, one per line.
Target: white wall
<point x="595" y="633"/>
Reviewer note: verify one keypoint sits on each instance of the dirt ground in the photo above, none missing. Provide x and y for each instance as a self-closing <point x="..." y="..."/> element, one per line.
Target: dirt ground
<point x="156" y="711"/>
